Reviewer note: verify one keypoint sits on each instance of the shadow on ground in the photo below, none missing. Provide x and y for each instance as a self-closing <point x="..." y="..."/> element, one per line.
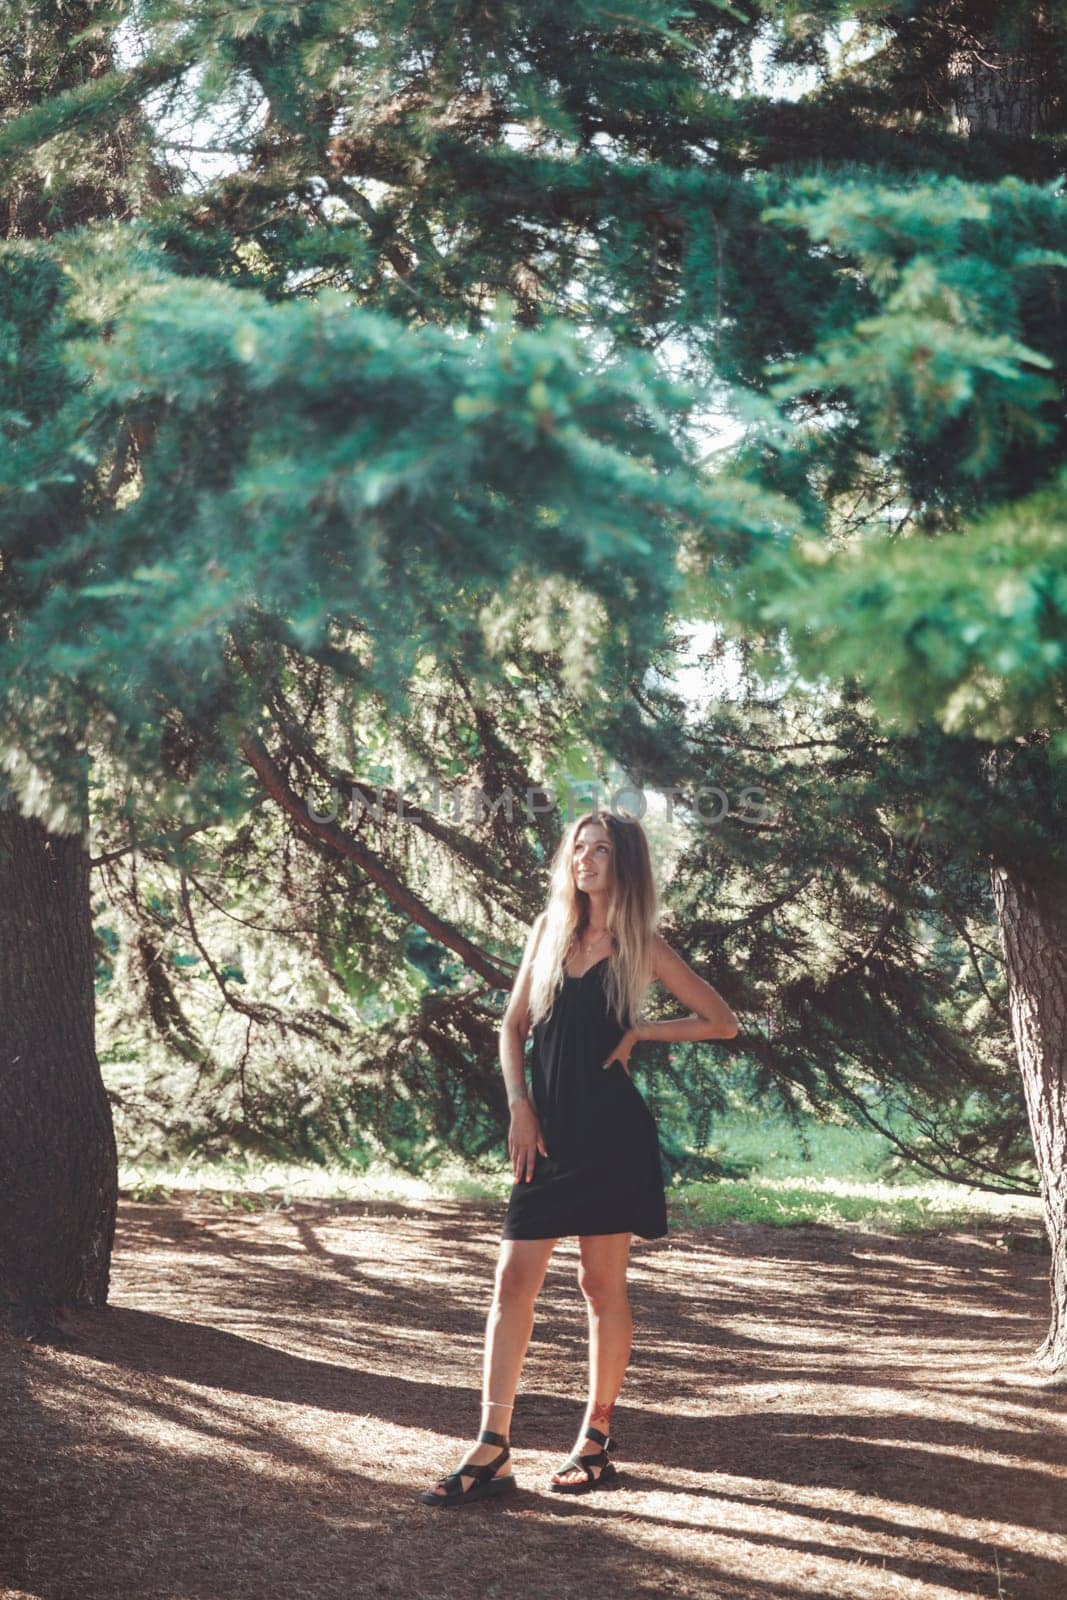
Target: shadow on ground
<point x="807" y="1412"/>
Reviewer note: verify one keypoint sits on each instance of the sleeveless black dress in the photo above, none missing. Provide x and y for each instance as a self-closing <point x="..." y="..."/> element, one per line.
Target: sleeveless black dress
<point x="602" y="1173"/>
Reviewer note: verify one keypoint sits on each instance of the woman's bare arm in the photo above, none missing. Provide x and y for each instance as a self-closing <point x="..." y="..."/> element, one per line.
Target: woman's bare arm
<point x="515" y="1024"/>
<point x="711" y="1017"/>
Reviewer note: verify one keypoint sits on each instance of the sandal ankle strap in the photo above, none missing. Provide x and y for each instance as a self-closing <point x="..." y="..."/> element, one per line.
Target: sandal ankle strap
<point x="481" y="1474"/>
<point x="487" y="1436"/>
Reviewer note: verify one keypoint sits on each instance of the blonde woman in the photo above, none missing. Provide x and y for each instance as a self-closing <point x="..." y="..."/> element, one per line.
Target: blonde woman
<point x="583" y="1142"/>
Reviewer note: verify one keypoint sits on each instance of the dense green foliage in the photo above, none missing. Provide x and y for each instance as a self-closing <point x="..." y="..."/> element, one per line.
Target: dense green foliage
<point x="358" y="364"/>
<point x="947" y="394"/>
<point x="269" y="434"/>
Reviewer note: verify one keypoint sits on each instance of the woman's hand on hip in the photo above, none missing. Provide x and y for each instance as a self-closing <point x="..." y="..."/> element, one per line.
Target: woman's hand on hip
<point x="622" y="1051"/>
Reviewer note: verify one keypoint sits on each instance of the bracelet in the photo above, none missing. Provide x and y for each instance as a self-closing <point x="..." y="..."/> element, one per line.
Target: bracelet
<point x="521" y="1095"/>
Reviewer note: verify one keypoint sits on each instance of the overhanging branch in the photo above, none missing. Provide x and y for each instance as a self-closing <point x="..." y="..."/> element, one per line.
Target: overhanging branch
<point x="353" y="849"/>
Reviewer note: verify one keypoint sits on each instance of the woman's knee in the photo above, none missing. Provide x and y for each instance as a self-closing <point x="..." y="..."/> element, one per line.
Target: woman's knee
<point x="514" y="1287"/>
<point x="601" y="1287"/>
<point x="519" y="1276"/>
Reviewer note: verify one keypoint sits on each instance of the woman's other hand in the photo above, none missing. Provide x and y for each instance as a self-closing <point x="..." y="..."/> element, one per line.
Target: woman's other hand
<point x="525" y="1139"/>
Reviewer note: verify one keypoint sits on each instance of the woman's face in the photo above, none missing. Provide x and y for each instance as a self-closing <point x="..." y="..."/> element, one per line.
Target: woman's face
<point x="591" y="861"/>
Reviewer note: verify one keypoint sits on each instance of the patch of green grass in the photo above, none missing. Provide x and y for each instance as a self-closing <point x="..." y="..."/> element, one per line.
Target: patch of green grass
<point x="251" y="1183"/>
<point x="769" y="1146"/>
<point x="830" y="1176"/>
<point x="836" y="1202"/>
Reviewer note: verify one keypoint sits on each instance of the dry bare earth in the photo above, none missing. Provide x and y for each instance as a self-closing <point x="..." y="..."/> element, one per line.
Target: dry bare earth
<point x="807" y="1412"/>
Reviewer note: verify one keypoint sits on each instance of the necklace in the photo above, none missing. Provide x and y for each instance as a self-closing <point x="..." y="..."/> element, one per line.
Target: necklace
<point x="587" y="944"/>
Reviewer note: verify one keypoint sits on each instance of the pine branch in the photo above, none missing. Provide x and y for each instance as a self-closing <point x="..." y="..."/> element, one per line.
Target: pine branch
<point x="345" y="844"/>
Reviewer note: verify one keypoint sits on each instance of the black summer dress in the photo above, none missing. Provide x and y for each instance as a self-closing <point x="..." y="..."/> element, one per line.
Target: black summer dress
<point x="603" y="1172"/>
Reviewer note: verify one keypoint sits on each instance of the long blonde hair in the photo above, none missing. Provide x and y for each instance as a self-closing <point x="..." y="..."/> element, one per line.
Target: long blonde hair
<point x="633" y="914"/>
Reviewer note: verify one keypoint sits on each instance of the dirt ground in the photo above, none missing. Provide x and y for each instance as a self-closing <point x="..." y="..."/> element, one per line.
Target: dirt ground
<point x="807" y="1412"/>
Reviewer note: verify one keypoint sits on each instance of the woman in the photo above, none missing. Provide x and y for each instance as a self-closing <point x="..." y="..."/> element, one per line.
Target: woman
<point x="583" y="1143"/>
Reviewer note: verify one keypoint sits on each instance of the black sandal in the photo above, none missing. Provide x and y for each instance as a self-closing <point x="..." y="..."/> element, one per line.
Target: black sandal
<point x="607" y="1476"/>
<point x="484" y="1484"/>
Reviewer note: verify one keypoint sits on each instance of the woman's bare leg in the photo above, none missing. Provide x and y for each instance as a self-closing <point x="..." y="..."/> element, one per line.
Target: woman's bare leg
<point x="520" y="1272"/>
<point x="602" y="1278"/>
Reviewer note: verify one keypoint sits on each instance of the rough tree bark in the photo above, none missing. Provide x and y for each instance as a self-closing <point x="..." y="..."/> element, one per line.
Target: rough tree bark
<point x="1032" y="918"/>
<point x="1005" y="84"/>
<point x="58" y="1163"/>
<point x="58" y="1166"/>
<point x="1033" y="932"/>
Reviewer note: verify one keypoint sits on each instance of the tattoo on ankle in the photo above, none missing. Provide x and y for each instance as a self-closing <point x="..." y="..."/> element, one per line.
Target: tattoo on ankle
<point x="600" y="1415"/>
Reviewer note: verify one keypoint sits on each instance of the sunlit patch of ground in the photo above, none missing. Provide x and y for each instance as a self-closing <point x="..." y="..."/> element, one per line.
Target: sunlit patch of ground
<point x="809" y="1411"/>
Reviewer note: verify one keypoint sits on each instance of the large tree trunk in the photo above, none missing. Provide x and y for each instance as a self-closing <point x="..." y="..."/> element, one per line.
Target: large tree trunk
<point x="1003" y="80"/>
<point x="1033" y="932"/>
<point x="58" y="1164"/>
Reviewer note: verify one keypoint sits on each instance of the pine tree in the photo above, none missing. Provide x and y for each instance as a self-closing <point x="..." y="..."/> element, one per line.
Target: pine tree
<point x="947" y="392"/>
<point x="242" y="373"/>
<point x="189" y="496"/>
<point x="58" y="1172"/>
